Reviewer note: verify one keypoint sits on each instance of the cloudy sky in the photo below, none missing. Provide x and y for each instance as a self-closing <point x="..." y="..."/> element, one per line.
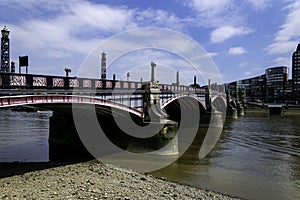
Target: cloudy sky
<point x="243" y="37"/>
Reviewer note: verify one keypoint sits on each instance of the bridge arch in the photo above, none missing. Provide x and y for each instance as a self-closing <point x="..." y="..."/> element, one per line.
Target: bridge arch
<point x="180" y="104"/>
<point x="64" y="139"/>
<point x="11" y="101"/>
<point x="174" y="98"/>
<point x="219" y="103"/>
<point x="233" y="102"/>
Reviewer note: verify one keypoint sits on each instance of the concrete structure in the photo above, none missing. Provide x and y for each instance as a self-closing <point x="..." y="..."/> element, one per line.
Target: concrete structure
<point x="5" y="50"/>
<point x="276" y="80"/>
<point x="296" y="74"/>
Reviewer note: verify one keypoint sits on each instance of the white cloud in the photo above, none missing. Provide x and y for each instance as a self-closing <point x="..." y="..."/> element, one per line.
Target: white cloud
<point x="247" y="73"/>
<point x="58" y="54"/>
<point x="244" y="64"/>
<point x="259" y="4"/>
<point x="141" y="46"/>
<point x="288" y="36"/>
<point x="64" y="32"/>
<point x="236" y="51"/>
<point x="217" y="13"/>
<point x="254" y="71"/>
<point x="281" y="47"/>
<point x="213" y="54"/>
<point x="214" y="13"/>
<point x="282" y="61"/>
<point x="160" y="18"/>
<point x="226" y="17"/>
<point x="226" y="32"/>
<point x="214" y="6"/>
<point x="70" y="30"/>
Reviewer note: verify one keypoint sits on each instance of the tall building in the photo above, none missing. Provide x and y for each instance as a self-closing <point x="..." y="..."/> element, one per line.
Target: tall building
<point x="257" y="89"/>
<point x="252" y="89"/>
<point x="276" y="80"/>
<point x="271" y="87"/>
<point x="4" y="50"/>
<point x="296" y="74"/>
<point x="103" y="66"/>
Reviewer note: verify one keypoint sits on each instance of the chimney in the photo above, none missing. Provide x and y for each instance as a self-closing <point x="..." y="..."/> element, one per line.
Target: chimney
<point x="103" y="66"/>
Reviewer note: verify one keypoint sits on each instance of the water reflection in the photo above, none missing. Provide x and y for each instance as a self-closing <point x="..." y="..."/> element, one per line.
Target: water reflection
<point x="24" y="136"/>
<point x="257" y="157"/>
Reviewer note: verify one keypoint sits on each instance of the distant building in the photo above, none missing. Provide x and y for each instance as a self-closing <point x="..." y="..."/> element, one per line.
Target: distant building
<point x="257" y="89"/>
<point x="5" y="50"/>
<point x="296" y="74"/>
<point x="289" y="90"/>
<point x="251" y="89"/>
<point x="276" y="80"/>
<point x="273" y="86"/>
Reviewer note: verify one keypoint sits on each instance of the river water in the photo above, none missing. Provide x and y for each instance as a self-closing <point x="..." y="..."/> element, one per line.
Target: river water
<point x="257" y="156"/>
<point x="24" y="136"/>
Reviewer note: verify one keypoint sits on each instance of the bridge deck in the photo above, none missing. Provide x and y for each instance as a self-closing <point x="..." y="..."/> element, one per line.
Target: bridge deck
<point x="56" y="99"/>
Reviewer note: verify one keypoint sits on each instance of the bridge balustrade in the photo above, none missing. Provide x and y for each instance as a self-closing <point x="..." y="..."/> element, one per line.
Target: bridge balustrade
<point x="34" y="81"/>
<point x="125" y="92"/>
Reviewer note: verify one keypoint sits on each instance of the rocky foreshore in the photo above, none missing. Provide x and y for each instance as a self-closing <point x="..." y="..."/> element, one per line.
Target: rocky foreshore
<point x="91" y="180"/>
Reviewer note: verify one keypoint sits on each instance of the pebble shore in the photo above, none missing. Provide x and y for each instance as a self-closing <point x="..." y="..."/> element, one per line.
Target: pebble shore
<point x="94" y="180"/>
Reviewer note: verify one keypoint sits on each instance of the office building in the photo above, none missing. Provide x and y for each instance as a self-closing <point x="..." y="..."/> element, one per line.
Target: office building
<point x="276" y="80"/>
<point x="296" y="74"/>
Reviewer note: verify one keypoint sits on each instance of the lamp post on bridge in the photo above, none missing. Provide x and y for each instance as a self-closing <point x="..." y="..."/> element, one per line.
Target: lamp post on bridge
<point x="128" y="75"/>
<point x="153" y="65"/>
<point x="68" y="71"/>
<point x="151" y="99"/>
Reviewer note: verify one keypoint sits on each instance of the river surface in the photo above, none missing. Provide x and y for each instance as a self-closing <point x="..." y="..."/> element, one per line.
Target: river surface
<point x="257" y="156"/>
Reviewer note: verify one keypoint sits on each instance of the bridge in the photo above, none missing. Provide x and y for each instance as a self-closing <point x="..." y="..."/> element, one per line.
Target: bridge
<point x="161" y="105"/>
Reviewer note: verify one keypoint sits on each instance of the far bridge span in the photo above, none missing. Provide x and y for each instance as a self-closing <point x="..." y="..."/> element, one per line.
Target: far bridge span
<point x="142" y="100"/>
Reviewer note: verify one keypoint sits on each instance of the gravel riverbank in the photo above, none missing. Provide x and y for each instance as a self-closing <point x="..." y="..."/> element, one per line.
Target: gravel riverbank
<point x="90" y="180"/>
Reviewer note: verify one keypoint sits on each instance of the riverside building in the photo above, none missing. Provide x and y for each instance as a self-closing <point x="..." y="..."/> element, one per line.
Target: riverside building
<point x="296" y="74"/>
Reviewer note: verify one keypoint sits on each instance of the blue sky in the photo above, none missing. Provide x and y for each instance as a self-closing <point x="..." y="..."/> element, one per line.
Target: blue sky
<point x="243" y="37"/>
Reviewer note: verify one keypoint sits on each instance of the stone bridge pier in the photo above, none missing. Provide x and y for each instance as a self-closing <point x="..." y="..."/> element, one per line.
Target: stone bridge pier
<point x="154" y="115"/>
<point x="64" y="140"/>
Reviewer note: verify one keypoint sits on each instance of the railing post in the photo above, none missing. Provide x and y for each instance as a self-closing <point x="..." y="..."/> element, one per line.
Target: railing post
<point x="5" y="80"/>
<point x="29" y="81"/>
<point x="207" y="98"/>
<point x="66" y="83"/>
<point x="49" y="82"/>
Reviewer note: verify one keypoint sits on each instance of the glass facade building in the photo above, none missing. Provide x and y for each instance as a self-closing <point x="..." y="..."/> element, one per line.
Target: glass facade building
<point x="296" y="74"/>
<point x="276" y="80"/>
<point x="272" y="87"/>
<point x="252" y="89"/>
